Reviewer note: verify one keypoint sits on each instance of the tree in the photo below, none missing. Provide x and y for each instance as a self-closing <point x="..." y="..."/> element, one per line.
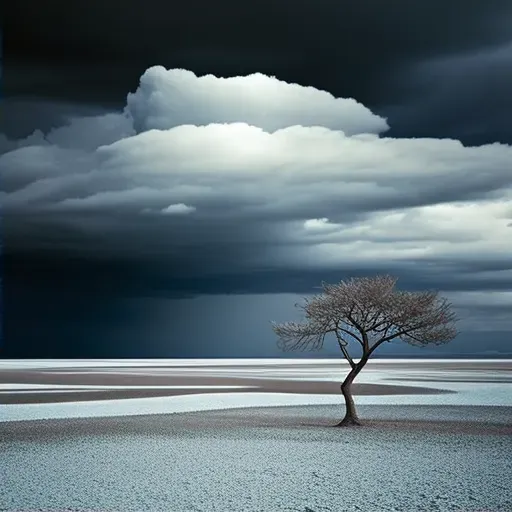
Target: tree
<point x="367" y="312"/>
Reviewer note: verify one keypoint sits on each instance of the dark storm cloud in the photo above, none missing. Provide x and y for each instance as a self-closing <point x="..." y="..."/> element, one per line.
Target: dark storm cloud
<point x="91" y="51"/>
<point x="204" y="204"/>
<point x="106" y="212"/>
<point x="22" y="115"/>
<point x="464" y="96"/>
<point x="362" y="36"/>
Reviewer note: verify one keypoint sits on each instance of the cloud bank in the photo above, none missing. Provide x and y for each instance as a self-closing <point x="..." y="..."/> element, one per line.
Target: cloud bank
<point x="169" y="98"/>
<point x="251" y="182"/>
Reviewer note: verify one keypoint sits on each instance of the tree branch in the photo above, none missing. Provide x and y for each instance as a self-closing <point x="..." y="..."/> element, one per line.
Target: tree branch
<point x="358" y="327"/>
<point x="342" y="344"/>
<point x="349" y="333"/>
<point x="403" y="332"/>
<point x="366" y="346"/>
<point x="370" y="352"/>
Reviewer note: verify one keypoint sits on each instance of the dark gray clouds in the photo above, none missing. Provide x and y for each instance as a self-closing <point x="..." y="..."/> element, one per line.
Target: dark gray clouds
<point x="106" y="212"/>
<point x="94" y="51"/>
<point x="464" y="96"/>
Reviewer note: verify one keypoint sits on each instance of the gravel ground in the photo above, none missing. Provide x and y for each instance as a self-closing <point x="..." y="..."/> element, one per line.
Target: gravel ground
<point x="406" y="458"/>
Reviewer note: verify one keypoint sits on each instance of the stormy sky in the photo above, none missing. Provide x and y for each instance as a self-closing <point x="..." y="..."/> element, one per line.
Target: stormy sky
<point x="174" y="176"/>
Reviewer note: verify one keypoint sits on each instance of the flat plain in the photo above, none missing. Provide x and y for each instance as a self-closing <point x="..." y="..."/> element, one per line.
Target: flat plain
<point x="255" y="435"/>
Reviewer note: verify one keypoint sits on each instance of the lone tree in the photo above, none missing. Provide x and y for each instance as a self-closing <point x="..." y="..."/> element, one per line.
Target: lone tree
<point x="367" y="312"/>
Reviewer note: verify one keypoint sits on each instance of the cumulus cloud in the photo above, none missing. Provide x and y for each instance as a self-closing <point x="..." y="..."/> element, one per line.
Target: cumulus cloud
<point x="169" y="98"/>
<point x="250" y="174"/>
<point x="297" y="173"/>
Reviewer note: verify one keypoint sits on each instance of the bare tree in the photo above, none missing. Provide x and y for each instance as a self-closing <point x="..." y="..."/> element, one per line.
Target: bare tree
<point x="367" y="312"/>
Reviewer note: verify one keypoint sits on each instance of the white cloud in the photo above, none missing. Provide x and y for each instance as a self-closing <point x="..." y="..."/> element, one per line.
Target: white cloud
<point x="178" y="209"/>
<point x="461" y="232"/>
<point x="296" y="173"/>
<point x="316" y="224"/>
<point x="169" y="98"/>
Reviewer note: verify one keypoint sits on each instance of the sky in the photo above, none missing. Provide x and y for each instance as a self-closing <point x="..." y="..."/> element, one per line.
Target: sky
<point x="174" y="177"/>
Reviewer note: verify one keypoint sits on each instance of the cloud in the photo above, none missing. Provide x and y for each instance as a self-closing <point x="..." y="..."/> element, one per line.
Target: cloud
<point x="348" y="52"/>
<point x="34" y="139"/>
<point x="21" y="114"/>
<point x="169" y="98"/>
<point x="241" y="201"/>
<point x="84" y="133"/>
<point x="317" y="224"/>
<point x="293" y="174"/>
<point x="484" y="310"/>
<point x="463" y="94"/>
<point x="178" y="209"/>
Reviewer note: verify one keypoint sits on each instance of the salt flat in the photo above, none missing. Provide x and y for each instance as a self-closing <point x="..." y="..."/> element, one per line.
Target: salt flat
<point x="111" y="387"/>
<point x="434" y="439"/>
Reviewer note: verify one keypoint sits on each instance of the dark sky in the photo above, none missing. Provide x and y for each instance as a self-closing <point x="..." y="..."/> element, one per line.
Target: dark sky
<point x="157" y="224"/>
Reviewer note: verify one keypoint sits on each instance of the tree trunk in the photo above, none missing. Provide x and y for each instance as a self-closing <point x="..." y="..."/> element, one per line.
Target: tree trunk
<point x="350" y="418"/>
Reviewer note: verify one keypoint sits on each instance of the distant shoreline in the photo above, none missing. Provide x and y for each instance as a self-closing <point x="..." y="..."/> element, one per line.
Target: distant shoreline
<point x="234" y="360"/>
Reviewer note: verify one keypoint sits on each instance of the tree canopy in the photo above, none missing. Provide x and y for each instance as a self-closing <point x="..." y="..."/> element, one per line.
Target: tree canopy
<point x="369" y="311"/>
